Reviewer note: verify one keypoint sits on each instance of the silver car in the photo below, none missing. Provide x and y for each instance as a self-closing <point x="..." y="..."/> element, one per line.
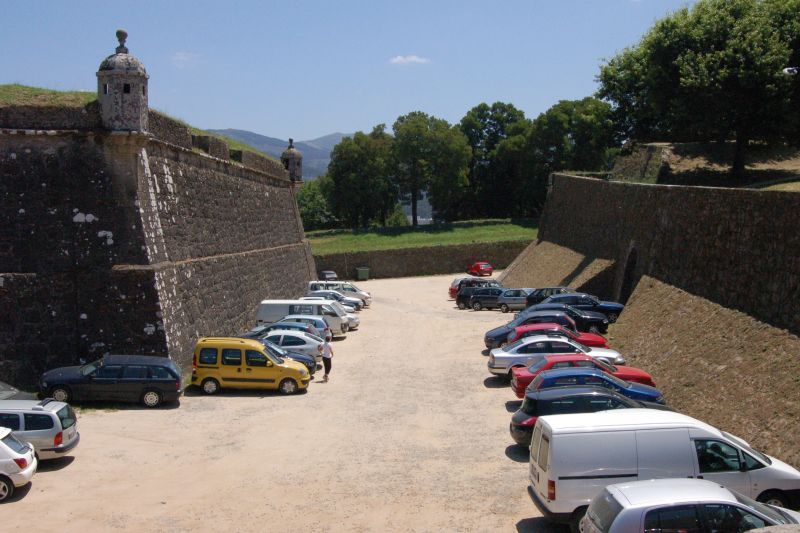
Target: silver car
<point x="678" y="505"/>
<point x="525" y="350"/>
<point x="357" y="303"/>
<point x="513" y="299"/>
<point x="316" y="321"/>
<point x="50" y="426"/>
<point x="297" y="341"/>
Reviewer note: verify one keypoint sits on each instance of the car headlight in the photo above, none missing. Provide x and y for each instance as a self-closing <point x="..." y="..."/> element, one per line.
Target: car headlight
<point x="605" y="321"/>
<point x="44" y="384"/>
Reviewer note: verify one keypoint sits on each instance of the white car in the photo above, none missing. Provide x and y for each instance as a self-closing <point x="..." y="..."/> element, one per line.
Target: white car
<point x="347" y="308"/>
<point x="297" y="341"/>
<point x="17" y="463"/>
<point x="678" y="505"/>
<point x="346" y="288"/>
<point x="525" y="350"/>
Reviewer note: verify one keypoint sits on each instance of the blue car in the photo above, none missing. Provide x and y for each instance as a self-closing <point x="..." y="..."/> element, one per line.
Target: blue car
<point x="581" y="300"/>
<point x="571" y="377"/>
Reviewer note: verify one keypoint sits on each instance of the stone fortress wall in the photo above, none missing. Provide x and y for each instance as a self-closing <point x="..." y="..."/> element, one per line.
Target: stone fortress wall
<point x="710" y="278"/>
<point x="131" y="242"/>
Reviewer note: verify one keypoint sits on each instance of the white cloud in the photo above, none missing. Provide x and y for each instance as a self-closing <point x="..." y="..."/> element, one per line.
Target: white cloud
<point x="184" y="59"/>
<point x="409" y="60"/>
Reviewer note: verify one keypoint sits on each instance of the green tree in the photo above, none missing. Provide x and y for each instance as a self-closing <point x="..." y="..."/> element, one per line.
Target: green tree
<point x="430" y="155"/>
<point x="485" y="128"/>
<point x="312" y="201"/>
<point x="711" y="72"/>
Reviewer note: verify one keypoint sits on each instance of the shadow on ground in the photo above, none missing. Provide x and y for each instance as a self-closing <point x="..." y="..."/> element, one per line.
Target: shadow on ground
<point x="539" y="525"/>
<point x="485" y="352"/>
<point x="512" y="406"/>
<point x="495" y="382"/>
<point x="194" y="390"/>
<point x="54" y="465"/>
<point x="517" y="453"/>
<point x="19" y="493"/>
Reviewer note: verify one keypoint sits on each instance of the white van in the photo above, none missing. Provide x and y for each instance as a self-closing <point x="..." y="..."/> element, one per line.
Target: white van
<point x="271" y="311"/>
<point x="573" y="457"/>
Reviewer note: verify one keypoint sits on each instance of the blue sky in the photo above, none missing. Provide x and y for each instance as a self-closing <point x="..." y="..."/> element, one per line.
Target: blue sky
<point x="308" y="68"/>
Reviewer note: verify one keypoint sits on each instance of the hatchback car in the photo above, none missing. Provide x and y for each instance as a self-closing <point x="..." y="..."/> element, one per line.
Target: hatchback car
<point x="17" y="463"/>
<point x="328" y="275"/>
<point x="572" y="377"/>
<point x="589" y="321"/>
<point x="480" y="268"/>
<point x="317" y="321"/>
<point x="356" y="303"/>
<point x="587" y="302"/>
<point x="150" y="380"/>
<point x="521" y="377"/>
<point x="259" y="332"/>
<point x="297" y="341"/>
<point x="51" y="426"/>
<point x="587" y="339"/>
<point x="499" y="336"/>
<point x="485" y="297"/>
<point x="690" y="505"/>
<point x="561" y="401"/>
<point x="539" y="295"/>
<point x="512" y="299"/>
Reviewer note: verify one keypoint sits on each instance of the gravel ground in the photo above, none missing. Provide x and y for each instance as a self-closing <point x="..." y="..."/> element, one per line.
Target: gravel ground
<point x="410" y="434"/>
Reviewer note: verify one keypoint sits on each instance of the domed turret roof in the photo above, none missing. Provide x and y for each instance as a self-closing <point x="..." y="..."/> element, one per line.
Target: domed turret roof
<point x="291" y="152"/>
<point x="122" y="61"/>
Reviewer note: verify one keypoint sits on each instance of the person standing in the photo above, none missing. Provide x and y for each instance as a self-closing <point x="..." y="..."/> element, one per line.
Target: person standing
<point x="327" y="356"/>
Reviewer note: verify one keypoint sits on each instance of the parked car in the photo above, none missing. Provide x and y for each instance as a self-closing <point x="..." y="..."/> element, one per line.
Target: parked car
<point x="346" y="307"/>
<point x="231" y="362"/>
<point x="271" y="311"/>
<point x="345" y="287"/>
<point x="317" y="321"/>
<point x="574" y="457"/>
<point x="473" y="282"/>
<point x="352" y="301"/>
<point x="297" y="341"/>
<point x="455" y="285"/>
<point x="480" y="268"/>
<point x="587" y="302"/>
<point x="589" y="321"/>
<point x="17" y="463"/>
<point x="587" y="339"/>
<point x="525" y="351"/>
<point x="148" y="379"/>
<point x="7" y="392"/>
<point x="567" y="400"/>
<point x="485" y="297"/>
<point x="521" y="377"/>
<point x="537" y="296"/>
<point x="309" y="361"/>
<point x="328" y="275"/>
<point x="49" y="425"/>
<point x="576" y="377"/>
<point x="464" y="295"/>
<point x="498" y="337"/>
<point x="259" y="332"/>
<point x="512" y="299"/>
<point x="678" y="505"/>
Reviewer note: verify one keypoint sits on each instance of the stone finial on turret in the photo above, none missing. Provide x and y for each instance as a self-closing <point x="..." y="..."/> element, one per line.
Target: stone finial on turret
<point x="122" y="90"/>
<point x="292" y="160"/>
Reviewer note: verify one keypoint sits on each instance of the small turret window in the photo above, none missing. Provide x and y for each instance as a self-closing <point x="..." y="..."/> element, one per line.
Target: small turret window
<point x="144" y="90"/>
<point x="105" y="88"/>
<point x="126" y="88"/>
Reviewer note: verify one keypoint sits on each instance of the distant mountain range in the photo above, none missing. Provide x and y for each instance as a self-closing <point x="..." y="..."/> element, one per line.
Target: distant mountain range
<point x="316" y="152"/>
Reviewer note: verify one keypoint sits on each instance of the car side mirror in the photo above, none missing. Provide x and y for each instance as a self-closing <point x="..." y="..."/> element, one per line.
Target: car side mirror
<point x="269" y="363"/>
<point x="742" y="466"/>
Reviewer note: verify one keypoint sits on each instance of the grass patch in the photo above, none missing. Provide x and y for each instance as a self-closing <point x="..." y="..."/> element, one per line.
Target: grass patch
<point x="792" y="186"/>
<point x="332" y="242"/>
<point x="23" y="95"/>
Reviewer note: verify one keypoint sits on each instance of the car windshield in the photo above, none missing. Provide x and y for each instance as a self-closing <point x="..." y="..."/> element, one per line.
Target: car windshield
<point x="91" y="367"/>
<point x="67" y="417"/>
<point x="747" y="448"/>
<point x="16" y="445"/>
<point x="314" y="337"/>
<point x="616" y="381"/>
<point x="762" y="508"/>
<point x="537" y="364"/>
<point x="571" y="311"/>
<point x="529" y="407"/>
<point x="513" y="346"/>
<point x="275" y="351"/>
<point x="606" y="367"/>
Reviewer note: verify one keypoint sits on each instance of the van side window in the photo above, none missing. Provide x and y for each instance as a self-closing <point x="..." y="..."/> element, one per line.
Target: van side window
<point x="9" y="420"/>
<point x="301" y="310"/>
<point x="725" y="518"/>
<point x="716" y="456"/>
<point x="255" y="358"/>
<point x="38" y="422"/>
<point x="108" y="372"/>
<point x="752" y="462"/>
<point x="537" y="436"/>
<point x="159" y="372"/>
<point x="290" y="340"/>
<point x="670" y="519"/>
<point x="544" y="453"/>
<point x="231" y="356"/>
<point x="134" y="372"/>
<point x="208" y="356"/>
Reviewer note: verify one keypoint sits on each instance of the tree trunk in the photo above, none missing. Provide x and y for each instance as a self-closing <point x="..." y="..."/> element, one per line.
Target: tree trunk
<point x="739" y="154"/>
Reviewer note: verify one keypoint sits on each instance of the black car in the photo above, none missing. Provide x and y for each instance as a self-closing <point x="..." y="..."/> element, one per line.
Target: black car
<point x="587" y="302"/>
<point x="477" y="282"/>
<point x="485" y="297"/>
<point x="590" y="321"/>
<point x="148" y="379"/>
<point x="566" y="400"/>
<point x="327" y="275"/>
<point x="497" y="337"/>
<point x="539" y="295"/>
<point x="463" y="296"/>
<point x="308" y="361"/>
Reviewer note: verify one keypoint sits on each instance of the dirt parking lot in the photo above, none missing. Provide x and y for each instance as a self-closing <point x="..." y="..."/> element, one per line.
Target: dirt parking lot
<point x="410" y="434"/>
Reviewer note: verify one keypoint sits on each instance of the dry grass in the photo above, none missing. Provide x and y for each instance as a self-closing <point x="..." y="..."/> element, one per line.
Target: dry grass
<point x="15" y="94"/>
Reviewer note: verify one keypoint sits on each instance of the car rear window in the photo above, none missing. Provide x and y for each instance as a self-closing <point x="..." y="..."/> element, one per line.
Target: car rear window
<point x="12" y="442"/>
<point x="530" y="407"/>
<point x="160" y="372"/>
<point x="544" y="453"/>
<point x="9" y="420"/>
<point x="603" y="510"/>
<point x="38" y="422"/>
<point x="67" y="417"/>
<point x="537" y="381"/>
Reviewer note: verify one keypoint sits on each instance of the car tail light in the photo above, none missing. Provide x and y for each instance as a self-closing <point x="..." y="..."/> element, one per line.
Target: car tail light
<point x="177" y="385"/>
<point x="529" y="422"/>
<point x="22" y="463"/>
<point x="58" y="439"/>
<point x="551" y="489"/>
<point x="194" y="361"/>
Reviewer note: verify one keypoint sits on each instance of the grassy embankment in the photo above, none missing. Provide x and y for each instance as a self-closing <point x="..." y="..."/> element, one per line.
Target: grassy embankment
<point x="23" y="95"/>
<point x="325" y="242"/>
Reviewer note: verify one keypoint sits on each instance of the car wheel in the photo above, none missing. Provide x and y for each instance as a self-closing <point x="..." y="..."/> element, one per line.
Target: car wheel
<point x="575" y="519"/>
<point x="60" y="393"/>
<point x="288" y="386"/>
<point x="774" y="497"/>
<point x="210" y="386"/>
<point x="6" y="488"/>
<point x="461" y="305"/>
<point x="477" y="306"/>
<point x="151" y="398"/>
<point x="504" y="308"/>
<point x="613" y="317"/>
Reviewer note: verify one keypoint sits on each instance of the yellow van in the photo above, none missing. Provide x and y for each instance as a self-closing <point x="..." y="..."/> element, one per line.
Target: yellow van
<point x="235" y="363"/>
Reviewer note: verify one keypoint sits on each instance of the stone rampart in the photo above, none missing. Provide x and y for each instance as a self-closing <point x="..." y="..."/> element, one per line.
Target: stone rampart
<point x="424" y="261"/>
<point x="51" y="117"/>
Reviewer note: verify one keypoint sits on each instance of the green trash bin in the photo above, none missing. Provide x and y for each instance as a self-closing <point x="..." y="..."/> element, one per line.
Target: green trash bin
<point x="362" y="273"/>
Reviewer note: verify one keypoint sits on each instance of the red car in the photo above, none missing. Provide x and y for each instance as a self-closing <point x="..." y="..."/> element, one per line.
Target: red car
<point x="522" y="377"/>
<point x="587" y="339"/>
<point x="481" y="268"/>
<point x="454" y="286"/>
